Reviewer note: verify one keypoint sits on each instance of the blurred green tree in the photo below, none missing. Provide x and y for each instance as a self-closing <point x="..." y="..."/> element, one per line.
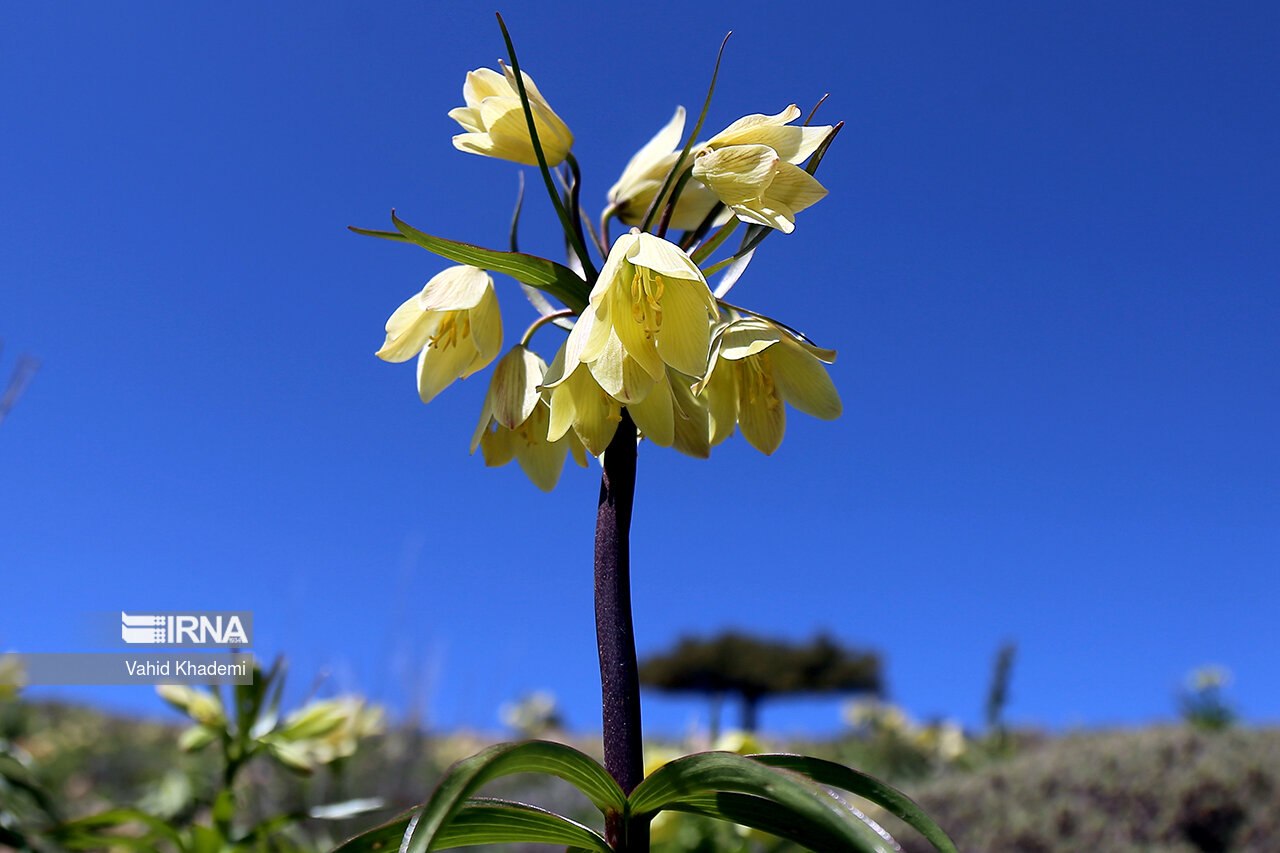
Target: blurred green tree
<point x="755" y="668"/>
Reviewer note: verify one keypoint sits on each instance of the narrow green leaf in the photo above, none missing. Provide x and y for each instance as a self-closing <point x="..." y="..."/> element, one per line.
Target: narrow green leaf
<point x="548" y="276"/>
<point x="810" y="809"/>
<point x="816" y="157"/>
<point x="767" y="816"/>
<point x="483" y="821"/>
<point x="571" y="231"/>
<point x="869" y="788"/>
<point x="381" y="839"/>
<point x="555" y="759"/>
<point x="92" y="826"/>
<point x="678" y="165"/>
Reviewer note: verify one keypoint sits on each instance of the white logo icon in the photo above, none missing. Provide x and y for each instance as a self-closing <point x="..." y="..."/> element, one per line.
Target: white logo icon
<point x="182" y="629"/>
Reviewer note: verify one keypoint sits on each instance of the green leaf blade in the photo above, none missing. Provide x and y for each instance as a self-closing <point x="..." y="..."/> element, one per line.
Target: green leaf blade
<point x="505" y="822"/>
<point x="869" y="788"/>
<point x="380" y="839"/>
<point x="764" y="815"/>
<point x="799" y="810"/>
<point x="553" y="278"/>
<point x="545" y="757"/>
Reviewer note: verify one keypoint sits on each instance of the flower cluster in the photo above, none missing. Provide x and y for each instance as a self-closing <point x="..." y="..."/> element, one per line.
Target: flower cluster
<point x="649" y="343"/>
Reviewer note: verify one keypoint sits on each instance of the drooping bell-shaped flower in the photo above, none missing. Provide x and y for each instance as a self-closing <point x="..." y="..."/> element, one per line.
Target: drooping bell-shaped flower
<point x="513" y="422"/>
<point x="644" y="175"/>
<point x="578" y="403"/>
<point x="453" y="325"/>
<point x="752" y="167"/>
<point x="756" y="367"/>
<point x="792" y="143"/>
<point x="650" y="309"/>
<point x="758" y="185"/>
<point x="495" y="122"/>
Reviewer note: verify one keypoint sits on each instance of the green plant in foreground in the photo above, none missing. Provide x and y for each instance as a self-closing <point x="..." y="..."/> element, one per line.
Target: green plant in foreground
<point x="654" y="353"/>
<point x="246" y="727"/>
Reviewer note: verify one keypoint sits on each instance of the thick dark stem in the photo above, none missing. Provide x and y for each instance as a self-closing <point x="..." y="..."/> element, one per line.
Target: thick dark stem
<point x="619" y="674"/>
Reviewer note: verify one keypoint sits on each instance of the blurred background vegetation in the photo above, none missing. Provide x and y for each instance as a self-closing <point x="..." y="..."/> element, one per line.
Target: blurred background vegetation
<point x="235" y="771"/>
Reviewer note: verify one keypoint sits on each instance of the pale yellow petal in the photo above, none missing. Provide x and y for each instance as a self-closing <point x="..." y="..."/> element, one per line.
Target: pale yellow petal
<point x="634" y="334"/>
<point x="662" y="257"/>
<point x="407" y="331"/>
<point x="541" y="460"/>
<point x="692" y="428"/>
<point x="440" y="366"/>
<point x="486" y="421"/>
<point x="615" y="269"/>
<point x="720" y="394"/>
<point x="555" y="373"/>
<point x="643" y="161"/>
<point x="505" y="121"/>
<point x="593" y="330"/>
<point x="485" y="321"/>
<point x="577" y="451"/>
<point x="503" y="148"/>
<point x="455" y="288"/>
<point x="761" y="417"/>
<point x="654" y="415"/>
<point x="746" y="337"/>
<point x="497" y="447"/>
<point x="792" y="144"/>
<point x="593" y="413"/>
<point x="608" y="365"/>
<point x="804" y="383"/>
<point x="513" y="391"/>
<point x="761" y="213"/>
<point x="807" y="142"/>
<point x="563" y="412"/>
<point x="484" y="83"/>
<point x="468" y="117"/>
<point x="746" y="127"/>
<point x="684" y="339"/>
<point x="794" y="189"/>
<point x="737" y="174"/>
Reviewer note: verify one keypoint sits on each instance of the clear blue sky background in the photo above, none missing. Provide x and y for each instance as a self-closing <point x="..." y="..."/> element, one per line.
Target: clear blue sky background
<point x="1049" y="263"/>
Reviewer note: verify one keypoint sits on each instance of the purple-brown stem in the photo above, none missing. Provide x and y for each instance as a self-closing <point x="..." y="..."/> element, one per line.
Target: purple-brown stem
<point x="619" y="674"/>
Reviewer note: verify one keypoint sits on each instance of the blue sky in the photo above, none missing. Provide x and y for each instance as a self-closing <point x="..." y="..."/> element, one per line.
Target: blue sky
<point x="1048" y="261"/>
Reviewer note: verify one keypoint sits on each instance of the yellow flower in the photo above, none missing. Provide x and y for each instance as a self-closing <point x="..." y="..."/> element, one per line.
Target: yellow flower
<point x="643" y="177"/>
<point x="453" y="326"/>
<point x="756" y="366"/>
<point x="513" y="422"/>
<point x="650" y="309"/>
<point x="751" y="166"/>
<point x="667" y="416"/>
<point x="495" y="122"/>
<point x="757" y="185"/>
<point x="792" y="143"/>
<point x="577" y="401"/>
